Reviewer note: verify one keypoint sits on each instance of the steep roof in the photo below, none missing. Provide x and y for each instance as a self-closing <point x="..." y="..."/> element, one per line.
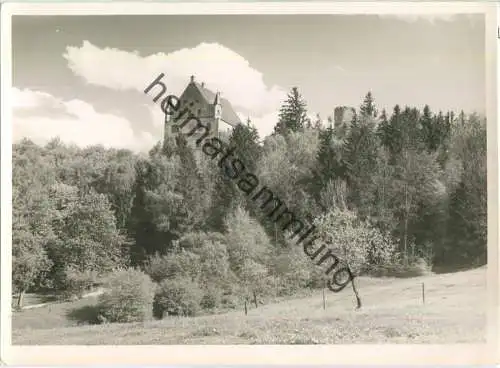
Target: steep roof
<point x="228" y="114"/>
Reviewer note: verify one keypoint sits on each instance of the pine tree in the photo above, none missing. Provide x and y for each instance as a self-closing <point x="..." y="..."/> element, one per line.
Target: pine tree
<point x="412" y="138"/>
<point x="190" y="186"/>
<point x="444" y="138"/>
<point x="329" y="163"/>
<point x="246" y="139"/>
<point x="293" y="114"/>
<point x="429" y="131"/>
<point x="393" y="137"/>
<point x="467" y="228"/>
<point x="140" y="228"/>
<point x="384" y="129"/>
<point x="360" y="152"/>
<point x="368" y="108"/>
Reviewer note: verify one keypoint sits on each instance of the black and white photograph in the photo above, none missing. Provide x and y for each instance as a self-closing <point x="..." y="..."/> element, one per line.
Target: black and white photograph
<point x="205" y="178"/>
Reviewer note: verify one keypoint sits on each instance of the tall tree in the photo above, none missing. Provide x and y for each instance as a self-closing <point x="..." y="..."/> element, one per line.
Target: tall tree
<point x="193" y="209"/>
<point x="384" y="129"/>
<point x="329" y="163"/>
<point x="360" y="152"/>
<point x="293" y="114"/>
<point x="285" y="168"/>
<point x="382" y="214"/>
<point x="117" y="182"/>
<point x="153" y="222"/>
<point x="248" y="247"/>
<point x="244" y="138"/>
<point x="85" y="223"/>
<point x="368" y="108"/>
<point x="430" y="133"/>
<point x="467" y="228"/>
<point x="417" y="186"/>
<point x="32" y="214"/>
<point x="392" y="132"/>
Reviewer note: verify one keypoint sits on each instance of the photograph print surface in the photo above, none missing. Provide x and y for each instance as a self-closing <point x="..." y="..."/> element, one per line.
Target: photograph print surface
<point x="253" y="179"/>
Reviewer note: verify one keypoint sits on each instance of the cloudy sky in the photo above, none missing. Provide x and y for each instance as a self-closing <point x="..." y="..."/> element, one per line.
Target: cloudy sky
<point x="82" y="77"/>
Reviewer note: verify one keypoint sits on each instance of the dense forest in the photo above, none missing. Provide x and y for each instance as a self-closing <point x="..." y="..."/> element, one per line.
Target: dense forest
<point x="391" y="189"/>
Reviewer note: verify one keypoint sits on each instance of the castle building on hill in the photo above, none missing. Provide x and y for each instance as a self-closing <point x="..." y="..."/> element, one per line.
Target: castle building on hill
<point x="213" y="111"/>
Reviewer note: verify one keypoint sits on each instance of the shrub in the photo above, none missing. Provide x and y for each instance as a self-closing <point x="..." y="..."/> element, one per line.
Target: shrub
<point x="177" y="297"/>
<point x="88" y="314"/>
<point x="195" y="240"/>
<point x="177" y="264"/>
<point x="211" y="298"/>
<point x="421" y="267"/>
<point x="129" y="297"/>
<point x="77" y="282"/>
<point x="230" y="301"/>
<point x="157" y="267"/>
<point x="246" y="240"/>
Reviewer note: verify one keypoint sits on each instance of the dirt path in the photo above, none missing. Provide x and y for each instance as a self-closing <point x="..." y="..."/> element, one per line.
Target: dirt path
<point x="87" y="295"/>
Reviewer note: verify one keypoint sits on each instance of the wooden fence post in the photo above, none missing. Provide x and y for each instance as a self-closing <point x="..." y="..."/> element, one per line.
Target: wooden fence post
<point x="324" y="299"/>
<point x="246" y="309"/>
<point x="423" y="293"/>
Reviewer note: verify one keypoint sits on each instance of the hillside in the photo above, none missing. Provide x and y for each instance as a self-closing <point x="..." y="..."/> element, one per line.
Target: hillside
<point x="393" y="312"/>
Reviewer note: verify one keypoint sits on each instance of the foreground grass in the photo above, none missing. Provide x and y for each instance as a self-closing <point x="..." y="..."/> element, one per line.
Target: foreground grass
<point x="393" y="312"/>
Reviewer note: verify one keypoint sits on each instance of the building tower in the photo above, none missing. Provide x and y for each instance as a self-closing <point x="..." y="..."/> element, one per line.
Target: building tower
<point x="217" y="112"/>
<point x="212" y="110"/>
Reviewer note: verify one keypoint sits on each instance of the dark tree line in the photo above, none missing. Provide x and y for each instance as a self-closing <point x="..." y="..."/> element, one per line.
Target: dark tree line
<point x="414" y="180"/>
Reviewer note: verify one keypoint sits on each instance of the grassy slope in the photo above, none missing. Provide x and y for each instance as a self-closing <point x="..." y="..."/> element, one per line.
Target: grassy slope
<point x="454" y="312"/>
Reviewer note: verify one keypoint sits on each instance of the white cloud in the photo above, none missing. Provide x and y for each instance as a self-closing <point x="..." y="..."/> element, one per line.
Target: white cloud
<point x="219" y="67"/>
<point x="30" y="99"/>
<point x="264" y="124"/>
<point x="40" y="117"/>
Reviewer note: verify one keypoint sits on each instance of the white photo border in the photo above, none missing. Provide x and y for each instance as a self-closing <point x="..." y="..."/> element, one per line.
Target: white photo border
<point x="387" y="354"/>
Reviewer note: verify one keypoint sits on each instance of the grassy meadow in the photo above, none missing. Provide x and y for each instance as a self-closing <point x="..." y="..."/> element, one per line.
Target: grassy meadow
<point x="393" y="312"/>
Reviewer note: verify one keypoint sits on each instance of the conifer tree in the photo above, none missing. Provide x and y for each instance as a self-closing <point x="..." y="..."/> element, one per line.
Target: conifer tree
<point x="445" y="138"/>
<point x="246" y="138"/>
<point x="393" y="137"/>
<point x="429" y="131"/>
<point x="384" y="129"/>
<point x="330" y="165"/>
<point x="368" y="108"/>
<point x="190" y="186"/>
<point x="293" y="114"/>
<point x="360" y="152"/>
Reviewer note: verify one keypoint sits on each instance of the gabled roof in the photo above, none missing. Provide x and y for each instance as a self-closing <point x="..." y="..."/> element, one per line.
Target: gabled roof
<point x="228" y="114"/>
